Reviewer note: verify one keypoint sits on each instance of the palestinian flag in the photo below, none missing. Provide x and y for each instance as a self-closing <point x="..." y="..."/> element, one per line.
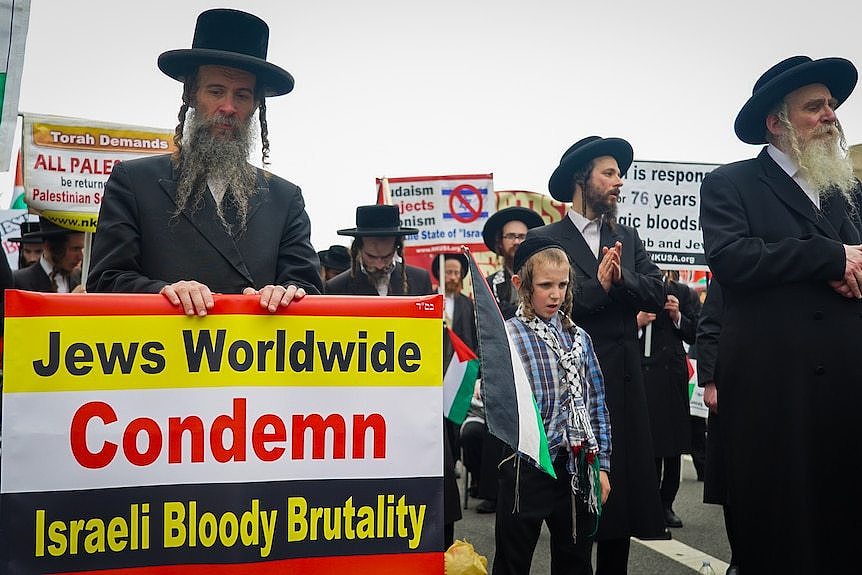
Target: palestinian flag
<point x="459" y="381"/>
<point x="511" y="412"/>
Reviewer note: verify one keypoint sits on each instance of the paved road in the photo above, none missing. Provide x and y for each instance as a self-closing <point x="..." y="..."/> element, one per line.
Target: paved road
<point x="703" y="531"/>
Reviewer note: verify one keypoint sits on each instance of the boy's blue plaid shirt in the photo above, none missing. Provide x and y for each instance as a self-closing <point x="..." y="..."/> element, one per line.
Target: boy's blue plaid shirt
<point x="543" y="368"/>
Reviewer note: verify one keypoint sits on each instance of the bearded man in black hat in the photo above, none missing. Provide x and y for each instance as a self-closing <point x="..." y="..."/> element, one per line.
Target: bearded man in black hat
<point x="503" y="233"/>
<point x="375" y="269"/>
<point x="782" y="235"/>
<point x="614" y="279"/>
<point x="29" y="244"/>
<point x="59" y="268"/>
<point x="458" y="312"/>
<point x="204" y="220"/>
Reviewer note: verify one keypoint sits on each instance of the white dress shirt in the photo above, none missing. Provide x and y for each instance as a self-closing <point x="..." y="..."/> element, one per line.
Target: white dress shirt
<point x="787" y="164"/>
<point x="590" y="229"/>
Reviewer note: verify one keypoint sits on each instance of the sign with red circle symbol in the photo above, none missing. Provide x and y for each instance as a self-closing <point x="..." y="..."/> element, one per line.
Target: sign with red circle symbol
<point x="465" y="203"/>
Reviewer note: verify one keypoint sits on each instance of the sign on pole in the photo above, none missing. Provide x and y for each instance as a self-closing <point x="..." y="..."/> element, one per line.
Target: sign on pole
<point x="68" y="160"/>
<point x="449" y="212"/>
<point x="662" y="201"/>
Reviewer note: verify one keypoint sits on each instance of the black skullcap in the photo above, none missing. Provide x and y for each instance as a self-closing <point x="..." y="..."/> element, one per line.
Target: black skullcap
<point x="530" y="246"/>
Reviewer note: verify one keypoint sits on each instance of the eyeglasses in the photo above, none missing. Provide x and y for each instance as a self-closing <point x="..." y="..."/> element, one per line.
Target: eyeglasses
<point x="510" y="237"/>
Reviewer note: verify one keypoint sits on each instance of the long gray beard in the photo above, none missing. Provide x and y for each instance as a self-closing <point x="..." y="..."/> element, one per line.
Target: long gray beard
<point x="823" y="162"/>
<point x="222" y="158"/>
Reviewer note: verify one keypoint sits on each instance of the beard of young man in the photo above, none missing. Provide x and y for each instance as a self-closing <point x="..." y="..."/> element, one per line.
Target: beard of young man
<point x="602" y="204"/>
<point x="453" y="286"/>
<point x="821" y="158"/>
<point x="223" y="158"/>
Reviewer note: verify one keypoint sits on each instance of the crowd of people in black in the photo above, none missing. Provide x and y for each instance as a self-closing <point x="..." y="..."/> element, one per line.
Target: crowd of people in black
<point x="776" y="340"/>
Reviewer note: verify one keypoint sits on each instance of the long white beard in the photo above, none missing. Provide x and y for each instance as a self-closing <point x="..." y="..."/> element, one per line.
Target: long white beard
<point x="824" y="163"/>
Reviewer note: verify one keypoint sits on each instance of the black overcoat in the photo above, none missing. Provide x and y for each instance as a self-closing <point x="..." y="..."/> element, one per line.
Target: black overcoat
<point x="634" y="507"/>
<point x="789" y="366"/>
<point x="666" y="374"/>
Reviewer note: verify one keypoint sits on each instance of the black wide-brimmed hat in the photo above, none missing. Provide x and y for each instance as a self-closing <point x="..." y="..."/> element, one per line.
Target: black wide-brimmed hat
<point x="460" y="258"/>
<point x="335" y="258"/>
<point x="378" y="220"/>
<point x="29" y="233"/>
<point x="231" y="38"/>
<point x="43" y="230"/>
<point x="577" y="156"/>
<point x="502" y="217"/>
<point x="837" y="74"/>
<point x="530" y="246"/>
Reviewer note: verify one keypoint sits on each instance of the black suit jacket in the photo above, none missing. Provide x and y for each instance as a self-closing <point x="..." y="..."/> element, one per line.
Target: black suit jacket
<point x="34" y="278"/>
<point x="665" y="373"/>
<point x="418" y="283"/>
<point x="140" y="246"/>
<point x="788" y="362"/>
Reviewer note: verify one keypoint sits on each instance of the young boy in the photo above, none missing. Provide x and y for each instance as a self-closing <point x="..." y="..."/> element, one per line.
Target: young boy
<point x="567" y="383"/>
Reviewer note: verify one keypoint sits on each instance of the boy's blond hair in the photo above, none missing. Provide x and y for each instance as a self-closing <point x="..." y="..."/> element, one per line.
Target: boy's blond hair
<point x="550" y="256"/>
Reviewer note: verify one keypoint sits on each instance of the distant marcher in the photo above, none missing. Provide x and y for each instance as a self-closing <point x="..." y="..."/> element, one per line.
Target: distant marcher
<point x="783" y="237"/>
<point x="458" y="313"/>
<point x="333" y="261"/>
<point x="30" y="244"/>
<point x="59" y="268"/>
<point x="204" y="219"/>
<point x="665" y="371"/>
<point x="503" y="233"/>
<point x="374" y="267"/>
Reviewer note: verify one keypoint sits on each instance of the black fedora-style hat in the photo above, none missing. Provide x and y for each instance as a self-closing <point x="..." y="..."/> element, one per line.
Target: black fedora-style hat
<point x="460" y="258"/>
<point x="577" y="156"/>
<point x="231" y="38"/>
<point x="837" y="74"/>
<point x="46" y="229"/>
<point x="29" y="233"/>
<point x="335" y="258"/>
<point x="378" y="220"/>
<point x="500" y="218"/>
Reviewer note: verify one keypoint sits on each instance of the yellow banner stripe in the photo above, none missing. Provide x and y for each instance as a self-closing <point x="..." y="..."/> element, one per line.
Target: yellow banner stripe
<point x="158" y="352"/>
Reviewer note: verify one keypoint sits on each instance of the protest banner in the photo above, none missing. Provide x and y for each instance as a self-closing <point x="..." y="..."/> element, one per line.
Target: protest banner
<point x="68" y="160"/>
<point x="10" y="227"/>
<point x="662" y="201"/>
<point x="139" y="440"/>
<point x="448" y="211"/>
<point x="15" y="18"/>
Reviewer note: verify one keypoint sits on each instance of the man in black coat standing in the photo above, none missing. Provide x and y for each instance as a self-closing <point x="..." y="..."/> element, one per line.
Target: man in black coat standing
<point x="503" y="233"/>
<point x="665" y="371"/>
<point x="782" y="236"/>
<point x="614" y="279"/>
<point x="58" y="270"/>
<point x="204" y="220"/>
<point x="374" y="268"/>
<point x="458" y="313"/>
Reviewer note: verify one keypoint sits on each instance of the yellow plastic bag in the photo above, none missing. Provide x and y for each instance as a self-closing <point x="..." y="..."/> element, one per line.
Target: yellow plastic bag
<point x="462" y="559"/>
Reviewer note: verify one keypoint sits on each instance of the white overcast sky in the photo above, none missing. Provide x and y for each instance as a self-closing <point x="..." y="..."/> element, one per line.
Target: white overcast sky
<point x="407" y="88"/>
